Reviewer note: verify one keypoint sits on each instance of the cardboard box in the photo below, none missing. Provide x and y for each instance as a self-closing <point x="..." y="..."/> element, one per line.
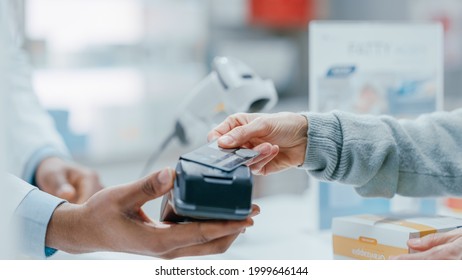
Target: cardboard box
<point x="373" y="237"/>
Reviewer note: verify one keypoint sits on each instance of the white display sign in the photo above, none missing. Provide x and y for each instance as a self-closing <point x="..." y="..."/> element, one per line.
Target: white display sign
<point x="384" y="68"/>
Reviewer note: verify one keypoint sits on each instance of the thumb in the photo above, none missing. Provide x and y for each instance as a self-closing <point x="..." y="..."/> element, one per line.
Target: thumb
<point x="243" y="134"/>
<point x="148" y="188"/>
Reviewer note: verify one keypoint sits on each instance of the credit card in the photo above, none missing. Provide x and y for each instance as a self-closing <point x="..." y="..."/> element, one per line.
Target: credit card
<point x="224" y="159"/>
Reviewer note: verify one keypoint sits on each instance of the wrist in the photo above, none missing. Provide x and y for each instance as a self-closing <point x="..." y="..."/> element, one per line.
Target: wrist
<point x="302" y="135"/>
<point x="302" y="121"/>
<point x="64" y="229"/>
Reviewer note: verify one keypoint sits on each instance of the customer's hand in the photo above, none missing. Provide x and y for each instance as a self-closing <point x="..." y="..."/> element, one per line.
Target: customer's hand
<point x="67" y="180"/>
<point x="112" y="220"/>
<point x="280" y="138"/>
<point x="437" y="246"/>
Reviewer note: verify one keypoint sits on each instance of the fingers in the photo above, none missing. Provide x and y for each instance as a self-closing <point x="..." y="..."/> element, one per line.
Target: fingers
<point x="242" y="134"/>
<point x="415" y="256"/>
<point x="214" y="134"/>
<point x="229" y="123"/>
<point x="88" y="186"/>
<point x="148" y="188"/>
<point x="444" y="252"/>
<point x="57" y="184"/>
<point x="255" y="211"/>
<point x="66" y="191"/>
<point x="437" y="246"/>
<point x="259" y="167"/>
<point x="50" y="177"/>
<point x="224" y="127"/>
<point x="237" y="129"/>
<point x="184" y="235"/>
<point x="432" y="240"/>
<point x="264" y="151"/>
<point x="247" y="130"/>
<point x="217" y="246"/>
<point x="67" y="180"/>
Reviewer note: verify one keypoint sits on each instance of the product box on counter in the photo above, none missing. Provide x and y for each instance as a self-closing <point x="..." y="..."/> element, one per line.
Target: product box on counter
<point x="375" y="237"/>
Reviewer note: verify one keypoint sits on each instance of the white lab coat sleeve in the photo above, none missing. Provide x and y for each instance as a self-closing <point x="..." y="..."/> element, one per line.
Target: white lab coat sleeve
<point x="33" y="215"/>
<point x="11" y="195"/>
<point x="16" y="191"/>
<point x="31" y="210"/>
<point x="29" y="128"/>
<point x="25" y="129"/>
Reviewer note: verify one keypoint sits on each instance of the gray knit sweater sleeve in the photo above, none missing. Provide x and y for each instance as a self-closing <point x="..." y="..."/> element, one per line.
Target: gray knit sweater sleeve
<point x="382" y="156"/>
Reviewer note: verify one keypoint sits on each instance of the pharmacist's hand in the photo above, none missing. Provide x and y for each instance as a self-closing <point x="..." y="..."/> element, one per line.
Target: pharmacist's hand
<point x="437" y="246"/>
<point x="280" y="138"/>
<point x="67" y="180"/>
<point x="112" y="220"/>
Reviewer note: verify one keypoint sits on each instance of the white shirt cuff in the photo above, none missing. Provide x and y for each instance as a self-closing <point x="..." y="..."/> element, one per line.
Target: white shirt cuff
<point x="34" y="214"/>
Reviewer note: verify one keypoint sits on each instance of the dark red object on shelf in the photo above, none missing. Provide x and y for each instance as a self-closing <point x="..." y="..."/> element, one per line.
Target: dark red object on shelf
<point x="281" y="13"/>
